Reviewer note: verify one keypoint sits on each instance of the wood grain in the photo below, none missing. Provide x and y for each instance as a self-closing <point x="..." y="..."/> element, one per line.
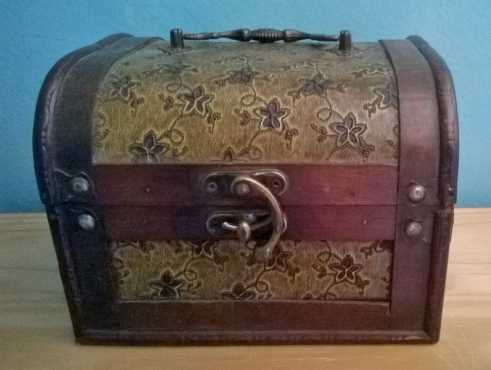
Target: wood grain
<point x="304" y="223"/>
<point x="309" y="184"/>
<point x="35" y="331"/>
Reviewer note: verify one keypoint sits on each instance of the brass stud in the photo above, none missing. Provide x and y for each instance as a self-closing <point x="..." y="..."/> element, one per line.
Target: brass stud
<point x="86" y="222"/>
<point x="416" y="193"/>
<point x="211" y="187"/>
<point x="414" y="229"/>
<point x="79" y="185"/>
<point x="242" y="188"/>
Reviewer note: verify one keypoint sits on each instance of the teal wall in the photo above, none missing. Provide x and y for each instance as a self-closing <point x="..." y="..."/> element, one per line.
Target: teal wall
<point x="34" y="34"/>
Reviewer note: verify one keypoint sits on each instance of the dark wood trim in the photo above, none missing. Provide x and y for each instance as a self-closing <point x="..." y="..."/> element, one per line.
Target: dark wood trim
<point x="71" y="154"/>
<point x="418" y="164"/>
<point x="449" y="149"/>
<point x="48" y="95"/>
<point x="362" y="223"/>
<point x="253" y="315"/>
<point x="449" y="122"/>
<point x="62" y="145"/>
<point x="43" y="121"/>
<point x="233" y="337"/>
<point x="180" y="185"/>
<point x="442" y="234"/>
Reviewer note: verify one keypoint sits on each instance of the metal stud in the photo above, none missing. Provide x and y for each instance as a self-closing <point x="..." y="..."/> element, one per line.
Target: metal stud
<point x="242" y="188"/>
<point x="86" y="222"/>
<point x="416" y="193"/>
<point x="79" y="185"/>
<point x="211" y="187"/>
<point x="414" y="229"/>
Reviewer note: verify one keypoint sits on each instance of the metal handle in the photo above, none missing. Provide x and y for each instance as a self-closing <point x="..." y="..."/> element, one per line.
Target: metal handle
<point x="264" y="35"/>
<point x="278" y="219"/>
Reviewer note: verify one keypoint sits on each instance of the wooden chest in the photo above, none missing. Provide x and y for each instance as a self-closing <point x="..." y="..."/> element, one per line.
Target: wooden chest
<point x="224" y="192"/>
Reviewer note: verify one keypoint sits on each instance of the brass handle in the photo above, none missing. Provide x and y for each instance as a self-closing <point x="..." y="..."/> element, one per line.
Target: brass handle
<point x="278" y="218"/>
<point x="263" y="35"/>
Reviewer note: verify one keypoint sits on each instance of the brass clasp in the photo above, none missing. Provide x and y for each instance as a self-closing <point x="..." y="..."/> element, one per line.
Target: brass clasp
<point x="266" y="183"/>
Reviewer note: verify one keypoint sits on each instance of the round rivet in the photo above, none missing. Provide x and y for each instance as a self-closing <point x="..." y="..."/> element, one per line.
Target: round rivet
<point x="211" y="187"/>
<point x="250" y="218"/>
<point x="86" y="222"/>
<point x="80" y="185"/>
<point x="242" y="188"/>
<point x="414" y="229"/>
<point x="416" y="193"/>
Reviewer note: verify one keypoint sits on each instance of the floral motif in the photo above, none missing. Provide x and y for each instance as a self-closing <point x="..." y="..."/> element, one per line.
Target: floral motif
<point x="268" y="117"/>
<point x="386" y="97"/>
<point x="272" y="115"/>
<point x="124" y="88"/>
<point x="242" y="76"/>
<point x="239" y="292"/>
<point x="150" y="149"/>
<point x="348" y="134"/>
<point x="179" y="269"/>
<point x="260" y="108"/>
<point x="168" y="286"/>
<point x="346" y="270"/>
<point x="318" y="86"/>
<point x="196" y="101"/>
<point x="348" y="131"/>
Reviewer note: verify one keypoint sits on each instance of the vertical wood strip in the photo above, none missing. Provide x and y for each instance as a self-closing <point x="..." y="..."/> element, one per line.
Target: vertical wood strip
<point x="418" y="164"/>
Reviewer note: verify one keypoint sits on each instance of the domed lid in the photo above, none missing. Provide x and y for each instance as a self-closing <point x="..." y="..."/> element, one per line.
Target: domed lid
<point x="260" y="103"/>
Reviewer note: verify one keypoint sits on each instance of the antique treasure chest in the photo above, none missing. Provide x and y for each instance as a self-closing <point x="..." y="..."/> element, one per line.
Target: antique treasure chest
<point x="256" y="192"/>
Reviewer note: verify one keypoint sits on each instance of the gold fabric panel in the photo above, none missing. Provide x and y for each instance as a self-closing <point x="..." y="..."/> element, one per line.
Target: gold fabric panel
<point x="235" y="102"/>
<point x="227" y="270"/>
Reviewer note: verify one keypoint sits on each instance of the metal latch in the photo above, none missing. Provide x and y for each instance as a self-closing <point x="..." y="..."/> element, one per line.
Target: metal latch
<point x="267" y="184"/>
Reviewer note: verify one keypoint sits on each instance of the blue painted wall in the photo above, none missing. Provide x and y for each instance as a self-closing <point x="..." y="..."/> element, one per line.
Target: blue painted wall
<point x="34" y="34"/>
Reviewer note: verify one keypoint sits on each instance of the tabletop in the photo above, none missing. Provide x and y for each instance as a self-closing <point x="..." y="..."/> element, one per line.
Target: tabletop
<point x="35" y="329"/>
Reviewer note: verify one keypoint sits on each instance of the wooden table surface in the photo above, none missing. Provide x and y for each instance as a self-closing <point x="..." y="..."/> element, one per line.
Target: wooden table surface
<point x="35" y="332"/>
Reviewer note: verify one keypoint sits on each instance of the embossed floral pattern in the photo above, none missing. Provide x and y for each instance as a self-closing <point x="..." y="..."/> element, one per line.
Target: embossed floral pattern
<point x="150" y="149"/>
<point x="228" y="270"/>
<point x="248" y="101"/>
<point x="317" y="85"/>
<point x="348" y="132"/>
<point x="124" y="88"/>
<point x="272" y="115"/>
<point x="345" y="270"/>
<point x="386" y="97"/>
<point x="196" y="101"/>
<point x="342" y="270"/>
<point x="242" y="76"/>
<point x="348" y="135"/>
<point x="168" y="286"/>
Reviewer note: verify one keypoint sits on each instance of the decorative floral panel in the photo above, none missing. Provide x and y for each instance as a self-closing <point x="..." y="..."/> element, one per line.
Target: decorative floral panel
<point x="227" y="270"/>
<point x="234" y="102"/>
